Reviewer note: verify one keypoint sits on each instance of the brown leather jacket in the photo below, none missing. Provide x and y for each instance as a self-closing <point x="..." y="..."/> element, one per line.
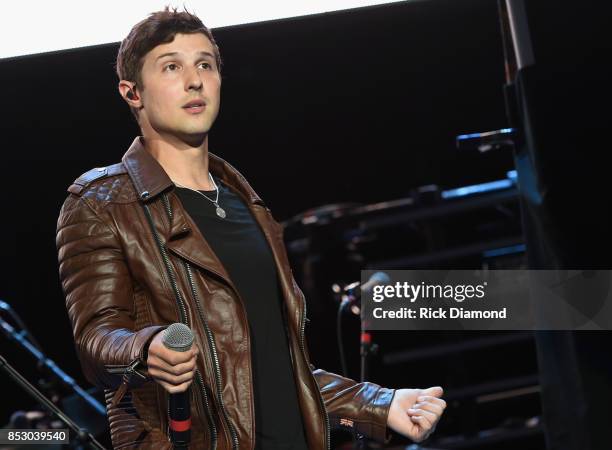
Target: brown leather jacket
<point x="132" y="261"/>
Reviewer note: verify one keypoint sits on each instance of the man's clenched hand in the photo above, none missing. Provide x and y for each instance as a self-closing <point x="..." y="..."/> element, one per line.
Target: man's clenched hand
<point x="173" y="370"/>
<point x="414" y="413"/>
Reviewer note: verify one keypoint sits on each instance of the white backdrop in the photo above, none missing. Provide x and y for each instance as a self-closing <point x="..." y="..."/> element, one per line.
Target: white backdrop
<point x="28" y="27"/>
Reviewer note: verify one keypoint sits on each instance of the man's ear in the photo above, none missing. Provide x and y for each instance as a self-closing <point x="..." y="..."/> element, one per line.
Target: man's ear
<point x="129" y="92"/>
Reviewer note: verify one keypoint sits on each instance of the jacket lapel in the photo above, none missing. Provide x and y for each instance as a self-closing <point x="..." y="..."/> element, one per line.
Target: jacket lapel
<point x="186" y="241"/>
<point x="184" y="238"/>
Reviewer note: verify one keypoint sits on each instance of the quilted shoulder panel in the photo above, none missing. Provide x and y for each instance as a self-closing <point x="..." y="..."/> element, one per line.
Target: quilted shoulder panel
<point x="109" y="184"/>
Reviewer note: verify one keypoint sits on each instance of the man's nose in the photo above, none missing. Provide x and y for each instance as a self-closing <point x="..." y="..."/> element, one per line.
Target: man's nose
<point x="194" y="80"/>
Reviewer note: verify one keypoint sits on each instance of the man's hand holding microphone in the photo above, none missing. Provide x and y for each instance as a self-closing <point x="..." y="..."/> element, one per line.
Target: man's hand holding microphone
<point x="171" y="362"/>
<point x="173" y="369"/>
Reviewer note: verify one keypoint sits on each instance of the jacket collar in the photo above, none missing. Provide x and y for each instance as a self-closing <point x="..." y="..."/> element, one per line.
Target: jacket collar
<point x="150" y="178"/>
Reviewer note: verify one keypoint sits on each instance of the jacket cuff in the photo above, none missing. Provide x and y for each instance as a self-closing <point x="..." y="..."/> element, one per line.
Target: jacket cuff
<point x="376" y="427"/>
<point x="136" y="358"/>
<point x="135" y="373"/>
<point x="151" y="333"/>
<point x="141" y="347"/>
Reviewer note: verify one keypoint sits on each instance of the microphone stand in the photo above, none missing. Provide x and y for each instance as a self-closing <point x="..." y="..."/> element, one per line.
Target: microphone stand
<point x="82" y="435"/>
<point x="368" y="348"/>
<point x="351" y="295"/>
<point x="68" y="381"/>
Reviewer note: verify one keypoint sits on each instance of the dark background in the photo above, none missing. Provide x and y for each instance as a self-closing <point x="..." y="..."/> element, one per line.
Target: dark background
<point x="354" y="106"/>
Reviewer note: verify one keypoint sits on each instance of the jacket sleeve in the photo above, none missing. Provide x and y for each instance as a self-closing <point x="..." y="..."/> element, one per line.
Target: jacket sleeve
<point x="362" y="407"/>
<point x="99" y="298"/>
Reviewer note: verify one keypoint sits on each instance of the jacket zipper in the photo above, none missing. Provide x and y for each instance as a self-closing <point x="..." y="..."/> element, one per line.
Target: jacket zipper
<point x="323" y="409"/>
<point x="127" y="372"/>
<point x="212" y="427"/>
<point x="302" y="348"/>
<point x="179" y="299"/>
<point x="183" y="317"/>
<point x="125" y="369"/>
<point x="166" y="259"/>
<point x="213" y="350"/>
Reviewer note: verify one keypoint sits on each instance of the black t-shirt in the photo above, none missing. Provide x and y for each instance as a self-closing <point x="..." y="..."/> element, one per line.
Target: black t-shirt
<point x="241" y="246"/>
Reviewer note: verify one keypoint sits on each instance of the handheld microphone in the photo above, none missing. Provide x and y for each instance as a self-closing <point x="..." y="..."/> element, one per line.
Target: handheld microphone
<point x="179" y="337"/>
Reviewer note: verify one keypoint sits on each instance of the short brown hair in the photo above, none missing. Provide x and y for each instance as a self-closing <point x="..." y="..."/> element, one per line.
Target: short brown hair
<point x="159" y="28"/>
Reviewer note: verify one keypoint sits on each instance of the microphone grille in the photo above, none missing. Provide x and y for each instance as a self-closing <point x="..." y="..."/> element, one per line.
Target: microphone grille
<point x="380" y="278"/>
<point x="178" y="337"/>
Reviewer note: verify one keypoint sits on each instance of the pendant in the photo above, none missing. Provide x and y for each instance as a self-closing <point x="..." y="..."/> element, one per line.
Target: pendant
<point x="220" y="212"/>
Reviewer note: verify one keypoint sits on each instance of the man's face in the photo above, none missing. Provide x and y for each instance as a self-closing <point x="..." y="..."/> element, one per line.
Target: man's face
<point x="171" y="81"/>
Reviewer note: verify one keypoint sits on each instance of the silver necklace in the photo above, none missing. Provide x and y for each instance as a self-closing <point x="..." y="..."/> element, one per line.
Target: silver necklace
<point x="220" y="211"/>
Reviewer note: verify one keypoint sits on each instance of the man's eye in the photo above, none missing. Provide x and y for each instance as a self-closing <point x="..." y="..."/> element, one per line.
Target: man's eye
<point x="170" y="65"/>
<point x="206" y="65"/>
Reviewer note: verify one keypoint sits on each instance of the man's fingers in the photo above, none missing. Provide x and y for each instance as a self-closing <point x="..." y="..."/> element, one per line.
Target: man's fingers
<point x="174" y="358"/>
<point x="432" y="400"/>
<point x="178" y="369"/>
<point x="171" y="375"/>
<point x="431" y="417"/>
<point x="171" y="389"/>
<point x="429" y="398"/>
<point x="429" y="406"/>
<point x="422" y="421"/>
<point x="428" y="409"/>
<point x="435" y="391"/>
<point x="174" y="380"/>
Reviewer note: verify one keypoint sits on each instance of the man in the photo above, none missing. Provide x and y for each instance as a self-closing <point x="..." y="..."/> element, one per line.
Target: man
<point x="173" y="233"/>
